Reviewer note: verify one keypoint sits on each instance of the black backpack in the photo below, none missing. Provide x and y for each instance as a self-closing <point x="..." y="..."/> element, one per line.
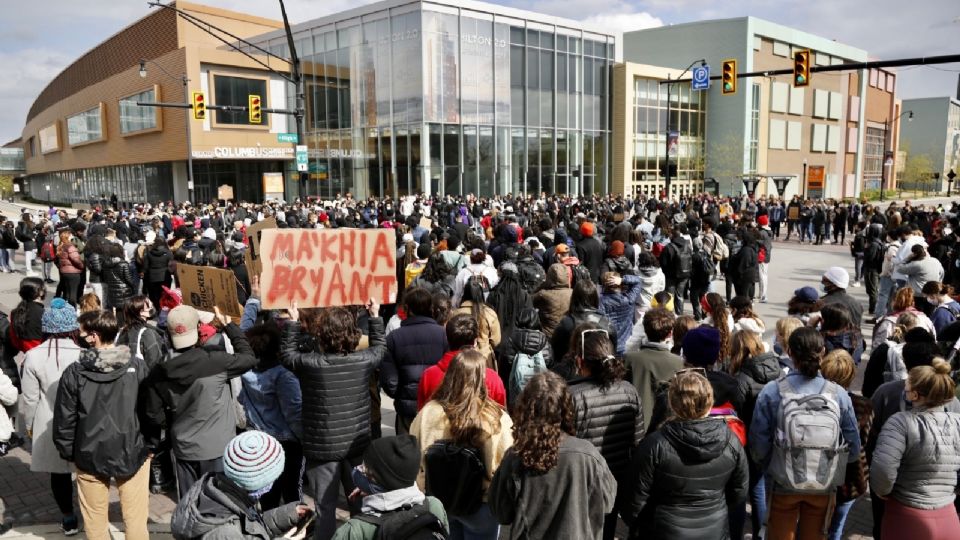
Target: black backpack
<point x="532" y="275"/>
<point x="580" y="272"/>
<point x="407" y="523"/>
<point x="455" y="474"/>
<point x="684" y="261"/>
<point x="703" y="266"/>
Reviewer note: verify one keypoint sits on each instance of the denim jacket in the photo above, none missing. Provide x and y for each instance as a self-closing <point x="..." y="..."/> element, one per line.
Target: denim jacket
<point x="766" y="416"/>
<point x="272" y="401"/>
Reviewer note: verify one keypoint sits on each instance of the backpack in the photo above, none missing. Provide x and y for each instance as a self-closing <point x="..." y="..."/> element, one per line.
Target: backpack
<point x="525" y="366"/>
<point x="762" y="255"/>
<point x="407" y="523"/>
<point x="703" y="266"/>
<point x="455" y="474"/>
<point x="47" y="252"/>
<point x="877" y="261"/>
<point x="532" y="275"/>
<point x="684" y="261"/>
<point x="580" y="272"/>
<point x="479" y="278"/>
<point x="809" y="455"/>
<point x="720" y="249"/>
<point x="727" y="413"/>
<point x="411" y="272"/>
<point x="954" y="313"/>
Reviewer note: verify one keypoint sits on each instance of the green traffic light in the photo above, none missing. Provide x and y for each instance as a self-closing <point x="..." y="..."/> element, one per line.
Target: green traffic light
<point x="727" y="86"/>
<point x="801" y="79"/>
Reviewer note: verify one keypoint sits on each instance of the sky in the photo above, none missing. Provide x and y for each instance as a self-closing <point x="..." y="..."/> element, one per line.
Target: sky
<point x="36" y="44"/>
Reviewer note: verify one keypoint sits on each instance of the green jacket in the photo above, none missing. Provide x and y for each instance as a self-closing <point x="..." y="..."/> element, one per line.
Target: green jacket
<point x="356" y="529"/>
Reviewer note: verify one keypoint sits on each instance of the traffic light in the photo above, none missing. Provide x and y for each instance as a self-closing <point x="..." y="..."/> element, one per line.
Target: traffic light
<point x="256" y="113"/>
<point x="729" y="77"/>
<point x="801" y="68"/>
<point x="199" y="106"/>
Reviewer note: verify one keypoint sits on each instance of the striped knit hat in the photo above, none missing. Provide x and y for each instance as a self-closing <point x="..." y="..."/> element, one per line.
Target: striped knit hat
<point x="253" y="460"/>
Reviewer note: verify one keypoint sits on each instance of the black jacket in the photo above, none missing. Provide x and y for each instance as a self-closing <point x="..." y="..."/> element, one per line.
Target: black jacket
<point x="527" y="341"/>
<point x="744" y="265"/>
<point x="94" y="263"/>
<point x="561" y="336"/>
<point x="27" y="236"/>
<point x="670" y="258"/>
<point x="117" y="282"/>
<point x="8" y="239"/>
<point x="418" y="344"/>
<point x="754" y="374"/>
<point x="157" y="263"/>
<point x="590" y="253"/>
<point x="726" y="389"/>
<point x="336" y="394"/>
<point x="611" y="418"/>
<point x="94" y="421"/>
<point x="688" y="475"/>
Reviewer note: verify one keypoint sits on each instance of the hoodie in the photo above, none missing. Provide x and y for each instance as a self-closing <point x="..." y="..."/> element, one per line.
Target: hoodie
<point x="688" y="474"/>
<point x="553" y="298"/>
<point x="389" y="501"/>
<point x="754" y="374"/>
<point x="217" y="508"/>
<point x="93" y="421"/>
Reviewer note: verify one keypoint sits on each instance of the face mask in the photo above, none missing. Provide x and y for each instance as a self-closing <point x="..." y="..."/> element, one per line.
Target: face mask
<point x="933" y="300"/>
<point x="84" y="343"/>
<point x="823" y="288"/>
<point x="777" y="349"/>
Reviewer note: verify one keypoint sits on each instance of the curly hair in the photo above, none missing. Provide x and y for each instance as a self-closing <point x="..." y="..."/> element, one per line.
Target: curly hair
<point x="436" y="269"/>
<point x="719" y="313"/>
<point x="542" y="416"/>
<point x="338" y="332"/>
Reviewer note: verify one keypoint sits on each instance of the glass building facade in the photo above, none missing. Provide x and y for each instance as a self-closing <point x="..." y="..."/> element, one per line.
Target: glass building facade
<point x="404" y="98"/>
<point x="688" y="117"/>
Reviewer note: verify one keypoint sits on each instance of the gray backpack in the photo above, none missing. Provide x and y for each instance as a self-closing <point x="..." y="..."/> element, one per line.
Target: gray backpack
<point x="809" y="453"/>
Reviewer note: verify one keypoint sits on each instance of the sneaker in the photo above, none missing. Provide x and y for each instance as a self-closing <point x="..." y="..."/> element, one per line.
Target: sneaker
<point x="70" y="526"/>
<point x="763" y="300"/>
<point x="48" y="280"/>
<point x="856" y="283"/>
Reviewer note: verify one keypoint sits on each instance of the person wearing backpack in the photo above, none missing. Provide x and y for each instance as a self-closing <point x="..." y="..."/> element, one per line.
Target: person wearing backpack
<point x="873" y="256"/>
<point x="547" y="458"/>
<point x="463" y="435"/>
<point x="691" y="473"/>
<point x="524" y="353"/>
<point x="477" y="269"/>
<point x="946" y="310"/>
<point x="607" y="409"/>
<point x="803" y="490"/>
<point x="676" y="260"/>
<point x="392" y="505"/>
<point x="462" y="333"/>
<point x="765" y="240"/>
<point x="917" y="458"/>
<point x="553" y="299"/>
<point x="584" y="308"/>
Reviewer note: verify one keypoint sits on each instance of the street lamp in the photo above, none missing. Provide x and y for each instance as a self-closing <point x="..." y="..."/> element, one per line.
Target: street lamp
<point x="666" y="183"/>
<point x="887" y="151"/>
<point x="183" y="79"/>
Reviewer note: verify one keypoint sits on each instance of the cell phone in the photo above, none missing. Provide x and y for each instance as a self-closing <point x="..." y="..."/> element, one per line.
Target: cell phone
<point x="304" y="529"/>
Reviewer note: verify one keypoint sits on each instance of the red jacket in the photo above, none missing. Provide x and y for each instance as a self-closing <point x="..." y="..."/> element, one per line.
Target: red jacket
<point x="433" y="376"/>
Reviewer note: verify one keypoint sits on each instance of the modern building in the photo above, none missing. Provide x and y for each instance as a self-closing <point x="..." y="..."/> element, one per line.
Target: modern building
<point x="769" y="128"/>
<point x="454" y="97"/>
<point x="934" y="132"/>
<point x="639" y="146"/>
<point x="12" y="168"/>
<point x="86" y="138"/>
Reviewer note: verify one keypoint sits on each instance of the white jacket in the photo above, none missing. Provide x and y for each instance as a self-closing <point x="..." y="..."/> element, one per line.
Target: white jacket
<point x="8" y="397"/>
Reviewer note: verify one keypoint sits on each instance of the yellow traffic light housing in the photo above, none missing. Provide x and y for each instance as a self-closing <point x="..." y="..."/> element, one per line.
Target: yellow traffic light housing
<point x="199" y="106"/>
<point x="256" y="113"/>
<point x="801" y="68"/>
<point x="729" y="77"/>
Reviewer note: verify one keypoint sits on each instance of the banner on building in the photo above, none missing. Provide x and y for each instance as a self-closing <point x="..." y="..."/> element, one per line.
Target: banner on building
<point x="204" y="287"/>
<point x="327" y="267"/>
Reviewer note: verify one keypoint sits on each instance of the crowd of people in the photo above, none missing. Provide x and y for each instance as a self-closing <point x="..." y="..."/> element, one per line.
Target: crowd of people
<point x="547" y="377"/>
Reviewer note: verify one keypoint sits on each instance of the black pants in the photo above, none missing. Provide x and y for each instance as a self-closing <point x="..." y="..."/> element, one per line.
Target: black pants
<point x="775" y="229"/>
<point x="188" y="472"/>
<point x="154" y="290"/>
<point x="678" y="289"/>
<point x="745" y="287"/>
<point x="871" y="280"/>
<point x="62" y="487"/>
<point x="324" y="479"/>
<point x="696" y="293"/>
<point x="287" y="488"/>
<point x="71" y="287"/>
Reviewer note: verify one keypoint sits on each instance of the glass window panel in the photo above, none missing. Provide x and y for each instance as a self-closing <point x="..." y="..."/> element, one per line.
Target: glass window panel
<point x="235" y="91"/>
<point x="533" y="38"/>
<point x="517" y="35"/>
<point x="546" y="40"/>
<point x="135" y="118"/>
<point x="84" y="127"/>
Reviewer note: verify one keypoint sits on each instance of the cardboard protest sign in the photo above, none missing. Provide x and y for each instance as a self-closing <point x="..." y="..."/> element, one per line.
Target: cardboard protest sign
<point x="426" y="223"/>
<point x="327" y="267"/>
<point x="252" y="256"/>
<point x="793" y="212"/>
<point x="204" y="287"/>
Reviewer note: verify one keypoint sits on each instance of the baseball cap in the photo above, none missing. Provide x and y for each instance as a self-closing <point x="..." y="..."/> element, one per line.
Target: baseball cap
<point x="182" y="324"/>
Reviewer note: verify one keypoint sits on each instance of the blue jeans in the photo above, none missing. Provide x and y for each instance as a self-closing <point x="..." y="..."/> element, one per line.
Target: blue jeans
<point x="4" y="259"/>
<point x="758" y="499"/>
<point x="481" y="525"/>
<point x="839" y="518"/>
<point x="884" y="294"/>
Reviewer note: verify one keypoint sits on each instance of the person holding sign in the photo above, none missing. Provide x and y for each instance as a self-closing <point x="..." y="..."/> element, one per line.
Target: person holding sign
<point x="336" y="401"/>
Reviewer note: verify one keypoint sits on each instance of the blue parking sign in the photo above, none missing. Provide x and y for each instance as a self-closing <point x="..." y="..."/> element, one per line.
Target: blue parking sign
<point x="701" y="78"/>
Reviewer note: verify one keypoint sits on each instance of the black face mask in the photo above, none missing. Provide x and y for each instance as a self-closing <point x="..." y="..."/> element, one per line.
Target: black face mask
<point x="84" y="344"/>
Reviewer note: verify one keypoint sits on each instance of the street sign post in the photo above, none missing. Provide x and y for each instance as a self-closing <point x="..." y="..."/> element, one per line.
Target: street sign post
<point x="700" y="79"/>
<point x="288" y="138"/>
<point x="302" y="161"/>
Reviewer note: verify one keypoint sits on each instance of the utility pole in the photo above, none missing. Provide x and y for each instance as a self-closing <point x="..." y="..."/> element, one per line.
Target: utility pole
<point x="297" y="79"/>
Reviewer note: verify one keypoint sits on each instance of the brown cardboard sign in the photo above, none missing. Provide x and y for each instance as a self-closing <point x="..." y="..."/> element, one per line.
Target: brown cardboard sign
<point x="206" y="287"/>
<point x="252" y="255"/>
<point x="327" y="267"/>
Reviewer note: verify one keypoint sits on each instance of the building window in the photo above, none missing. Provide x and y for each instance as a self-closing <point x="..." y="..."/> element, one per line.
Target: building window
<point x="135" y="118"/>
<point x="236" y="92"/>
<point x="754" y="127"/>
<point x="873" y="152"/>
<point x="85" y="127"/>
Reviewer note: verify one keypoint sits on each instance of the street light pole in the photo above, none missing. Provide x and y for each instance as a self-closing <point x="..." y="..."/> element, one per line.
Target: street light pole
<point x="666" y="183"/>
<point x="888" y="160"/>
<point x="186" y="115"/>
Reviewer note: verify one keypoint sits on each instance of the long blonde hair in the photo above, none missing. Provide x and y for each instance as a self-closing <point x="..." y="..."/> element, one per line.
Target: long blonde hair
<point x="745" y="346"/>
<point x="473" y="416"/>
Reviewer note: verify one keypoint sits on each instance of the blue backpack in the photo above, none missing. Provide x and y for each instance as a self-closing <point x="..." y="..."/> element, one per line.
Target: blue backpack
<point x="525" y="366"/>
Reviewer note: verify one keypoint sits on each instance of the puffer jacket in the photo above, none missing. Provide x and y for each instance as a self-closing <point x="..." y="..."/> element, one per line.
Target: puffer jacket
<point x="754" y="374"/>
<point x="217" y="509"/>
<point x="652" y="281"/>
<point x="336" y="396"/>
<point x="418" y="344"/>
<point x="117" y="282"/>
<point x="688" y="475"/>
<point x="527" y="341"/>
<point x="157" y="264"/>
<point x="94" y="263"/>
<point x="93" y="424"/>
<point x="611" y="418"/>
<point x="69" y="260"/>
<point x="917" y="457"/>
<point x="553" y="298"/>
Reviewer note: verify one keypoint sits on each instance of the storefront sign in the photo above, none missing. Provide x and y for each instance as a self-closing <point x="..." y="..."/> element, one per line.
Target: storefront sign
<point x="327" y="267"/>
<point x="273" y="185"/>
<point x="340" y="153"/>
<point x="244" y="152"/>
